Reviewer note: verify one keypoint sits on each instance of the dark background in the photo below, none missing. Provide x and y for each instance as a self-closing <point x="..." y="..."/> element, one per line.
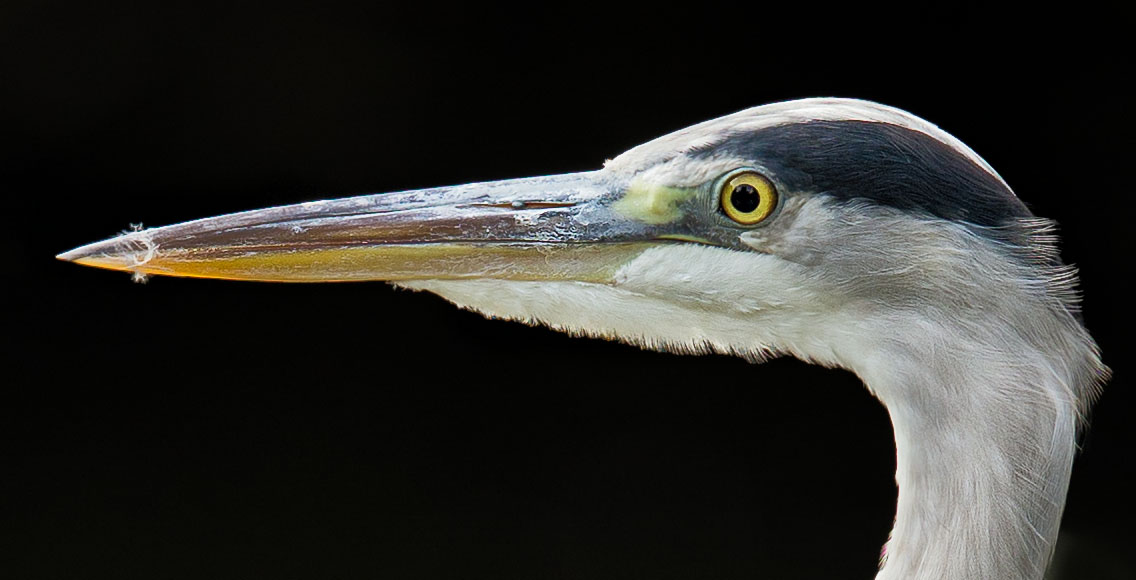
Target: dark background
<point x="202" y="429"/>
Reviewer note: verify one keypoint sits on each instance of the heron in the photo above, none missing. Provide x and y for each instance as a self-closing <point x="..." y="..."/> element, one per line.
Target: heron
<point x="843" y="232"/>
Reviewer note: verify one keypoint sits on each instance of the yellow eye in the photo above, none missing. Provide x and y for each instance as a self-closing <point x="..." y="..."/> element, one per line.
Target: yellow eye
<point x="748" y="198"/>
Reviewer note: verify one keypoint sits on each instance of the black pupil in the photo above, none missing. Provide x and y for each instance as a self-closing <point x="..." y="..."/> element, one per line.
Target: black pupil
<point x="745" y="198"/>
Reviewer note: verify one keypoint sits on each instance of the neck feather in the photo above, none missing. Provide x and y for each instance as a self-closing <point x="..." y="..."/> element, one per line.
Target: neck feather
<point x="985" y="425"/>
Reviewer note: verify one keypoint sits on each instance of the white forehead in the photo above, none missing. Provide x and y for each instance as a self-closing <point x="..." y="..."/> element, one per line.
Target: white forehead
<point x="716" y="131"/>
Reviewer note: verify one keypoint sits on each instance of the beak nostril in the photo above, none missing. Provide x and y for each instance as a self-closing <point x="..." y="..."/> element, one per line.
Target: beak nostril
<point x="525" y="204"/>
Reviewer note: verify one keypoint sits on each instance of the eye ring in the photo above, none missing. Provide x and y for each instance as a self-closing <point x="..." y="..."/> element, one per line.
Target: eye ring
<point x="748" y="197"/>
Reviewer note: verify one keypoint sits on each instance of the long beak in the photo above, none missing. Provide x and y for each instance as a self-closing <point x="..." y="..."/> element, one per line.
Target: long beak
<point x="545" y="228"/>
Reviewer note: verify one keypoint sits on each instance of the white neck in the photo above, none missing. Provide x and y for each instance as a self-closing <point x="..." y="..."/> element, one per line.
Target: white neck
<point x="984" y="452"/>
<point x="984" y="392"/>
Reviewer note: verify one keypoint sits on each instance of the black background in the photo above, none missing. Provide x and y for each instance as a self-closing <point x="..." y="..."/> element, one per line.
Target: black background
<point x="202" y="429"/>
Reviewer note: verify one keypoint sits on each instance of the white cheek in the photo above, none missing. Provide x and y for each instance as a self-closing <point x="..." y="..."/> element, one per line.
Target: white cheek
<point x="684" y="299"/>
<point x="715" y="278"/>
<point x="597" y="310"/>
<point x="798" y="233"/>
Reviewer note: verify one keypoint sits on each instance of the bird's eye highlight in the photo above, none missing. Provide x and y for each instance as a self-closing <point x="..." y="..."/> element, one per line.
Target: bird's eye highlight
<point x="748" y="198"/>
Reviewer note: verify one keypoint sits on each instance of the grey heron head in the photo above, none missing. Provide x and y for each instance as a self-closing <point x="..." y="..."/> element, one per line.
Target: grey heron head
<point x="789" y="216"/>
<point x="840" y="231"/>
